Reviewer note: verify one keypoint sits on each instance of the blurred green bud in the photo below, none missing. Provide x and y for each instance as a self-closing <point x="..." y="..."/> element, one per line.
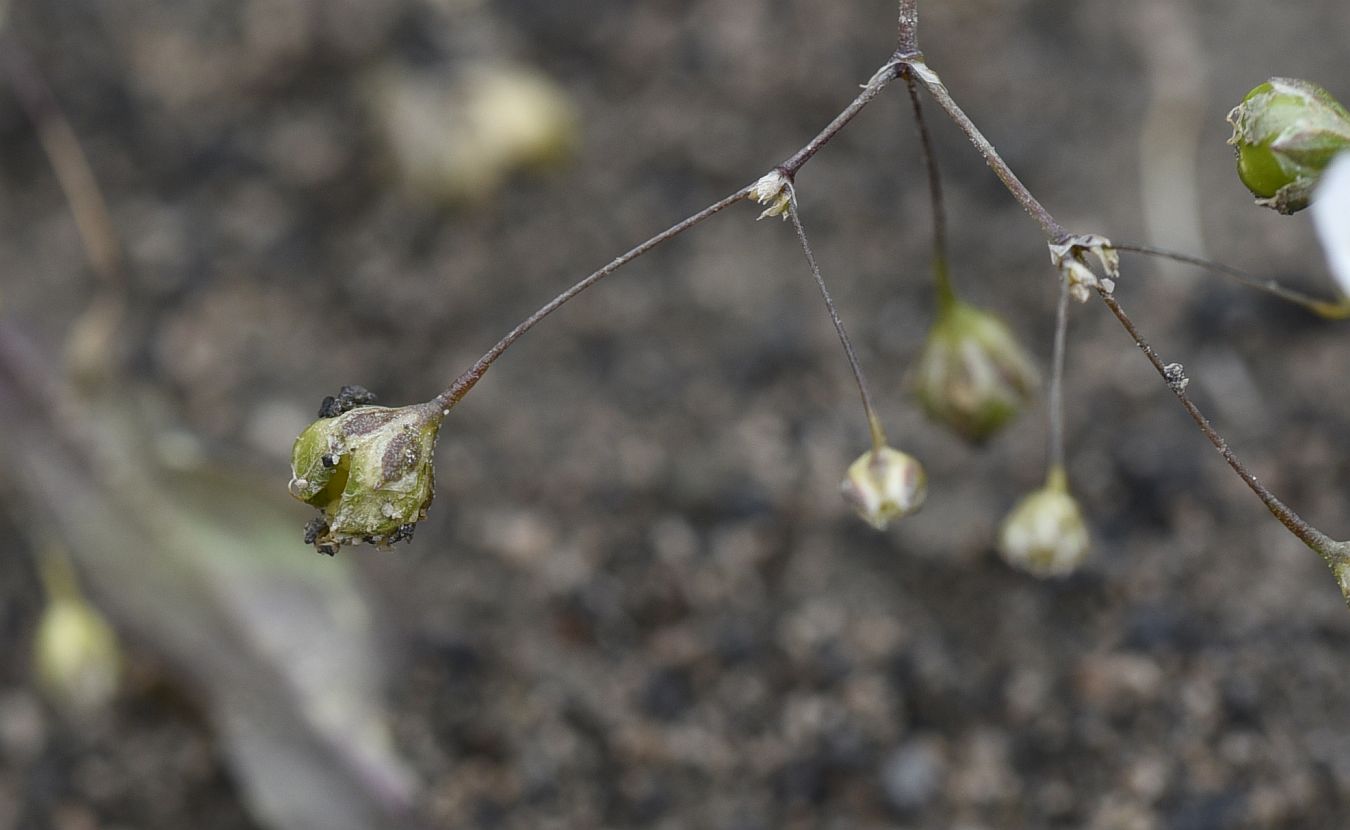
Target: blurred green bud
<point x="76" y="655"/>
<point x="1286" y="131"/>
<point x="885" y="484"/>
<point x="973" y="375"/>
<point x="370" y="471"/>
<point x="1045" y="534"/>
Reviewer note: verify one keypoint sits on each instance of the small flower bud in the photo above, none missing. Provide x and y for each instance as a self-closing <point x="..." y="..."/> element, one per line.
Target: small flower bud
<point x="885" y="484"/>
<point x="1286" y="131"/>
<point x="76" y="655"/>
<point x="1045" y="534"/>
<point x="369" y="470"/>
<point x="973" y="375"/>
<point x="775" y="190"/>
<point x="1071" y="256"/>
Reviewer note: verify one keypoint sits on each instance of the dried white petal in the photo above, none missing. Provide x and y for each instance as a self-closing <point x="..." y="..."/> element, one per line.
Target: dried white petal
<point x="1331" y="215"/>
<point x="1071" y="256"/>
<point x="775" y="190"/>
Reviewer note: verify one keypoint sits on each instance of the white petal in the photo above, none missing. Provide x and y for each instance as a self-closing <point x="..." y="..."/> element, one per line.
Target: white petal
<point x="1331" y="215"/>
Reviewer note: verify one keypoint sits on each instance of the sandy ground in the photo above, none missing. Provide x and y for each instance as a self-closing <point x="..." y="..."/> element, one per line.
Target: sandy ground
<point x="639" y="601"/>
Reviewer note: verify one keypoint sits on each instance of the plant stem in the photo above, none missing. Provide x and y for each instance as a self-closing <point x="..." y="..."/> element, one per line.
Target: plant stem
<point x="1310" y="536"/>
<point x="68" y="161"/>
<point x="1335" y="553"/>
<point x="462" y="384"/>
<point x="1052" y="229"/>
<point x="945" y="293"/>
<point x="873" y="422"/>
<point x="907" y="37"/>
<point x="1324" y="308"/>
<point x="1055" y="451"/>
<point x="942" y="281"/>
<point x="879" y="80"/>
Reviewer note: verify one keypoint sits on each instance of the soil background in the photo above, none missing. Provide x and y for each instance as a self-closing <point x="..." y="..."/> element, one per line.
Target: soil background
<point x="638" y="600"/>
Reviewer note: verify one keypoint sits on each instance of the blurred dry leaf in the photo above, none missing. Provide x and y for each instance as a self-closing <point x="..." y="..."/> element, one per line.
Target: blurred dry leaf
<point x="455" y="138"/>
<point x="201" y="566"/>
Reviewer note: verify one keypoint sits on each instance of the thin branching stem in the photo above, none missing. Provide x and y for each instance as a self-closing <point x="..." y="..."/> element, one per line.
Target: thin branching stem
<point x="1171" y="374"/>
<point x="942" y="278"/>
<point x="1055" y="451"/>
<point x="1332" y="310"/>
<point x="873" y="422"/>
<point x="1336" y="553"/>
<point x="461" y="386"/>
<point x="1052" y="229"/>
<point x="879" y="81"/>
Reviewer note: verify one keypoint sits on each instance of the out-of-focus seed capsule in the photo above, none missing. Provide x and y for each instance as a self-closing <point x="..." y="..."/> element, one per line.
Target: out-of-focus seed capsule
<point x="370" y="471"/>
<point x="75" y="651"/>
<point x="1045" y="534"/>
<point x="1286" y="131"/>
<point x="885" y="484"/>
<point x="973" y="375"/>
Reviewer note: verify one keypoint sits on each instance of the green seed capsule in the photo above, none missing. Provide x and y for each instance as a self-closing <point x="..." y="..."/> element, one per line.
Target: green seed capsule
<point x="884" y="485"/>
<point x="973" y="375"/>
<point x="1045" y="534"/>
<point x="1286" y="132"/>
<point x="369" y="471"/>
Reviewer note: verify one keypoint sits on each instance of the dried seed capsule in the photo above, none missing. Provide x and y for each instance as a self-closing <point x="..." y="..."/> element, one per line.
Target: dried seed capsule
<point x="973" y="375"/>
<point x="1045" y="534"/>
<point x="1286" y="132"/>
<point x="885" y="484"/>
<point x="369" y="471"/>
